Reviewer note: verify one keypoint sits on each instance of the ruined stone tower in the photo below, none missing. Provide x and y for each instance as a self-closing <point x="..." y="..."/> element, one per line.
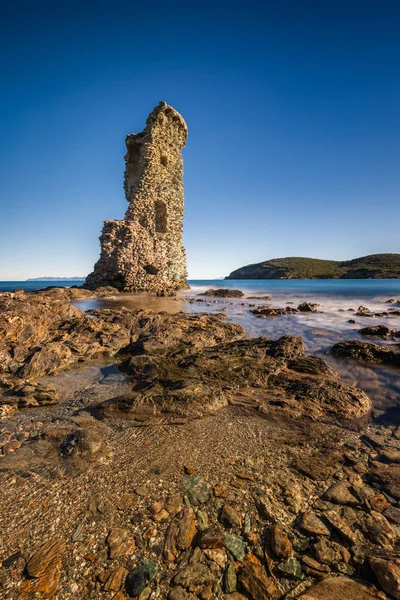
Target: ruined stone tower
<point x="144" y="252"/>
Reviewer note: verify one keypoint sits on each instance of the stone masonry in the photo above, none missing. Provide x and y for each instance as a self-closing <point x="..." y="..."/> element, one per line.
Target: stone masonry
<point x="144" y="251"/>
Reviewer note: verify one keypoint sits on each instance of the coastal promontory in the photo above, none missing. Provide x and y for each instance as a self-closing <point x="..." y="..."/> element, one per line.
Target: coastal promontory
<point x="373" y="266"/>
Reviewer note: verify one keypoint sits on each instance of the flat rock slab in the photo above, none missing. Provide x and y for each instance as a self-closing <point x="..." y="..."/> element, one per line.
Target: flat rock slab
<point x="341" y="588"/>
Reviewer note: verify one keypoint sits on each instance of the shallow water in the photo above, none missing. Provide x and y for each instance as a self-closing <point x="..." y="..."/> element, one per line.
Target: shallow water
<point x="319" y="330"/>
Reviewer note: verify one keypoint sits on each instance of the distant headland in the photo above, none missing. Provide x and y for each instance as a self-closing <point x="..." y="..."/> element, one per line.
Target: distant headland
<point x="373" y="266"/>
<point x="56" y="279"/>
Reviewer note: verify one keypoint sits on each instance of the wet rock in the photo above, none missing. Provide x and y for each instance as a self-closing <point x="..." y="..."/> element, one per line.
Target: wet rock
<point x="194" y="384"/>
<point x="268" y="311"/>
<point x="340" y="588"/>
<point x="180" y="533"/>
<point x="138" y="579"/>
<point x="120" y="542"/>
<point x="186" y="529"/>
<point x="80" y="441"/>
<point x="386" y="566"/>
<point x="255" y="581"/>
<point x="366" y="352"/>
<point x="115" y="580"/>
<point x="45" y="567"/>
<point x="308" y="307"/>
<point x="378" y="330"/>
<point x="223" y="293"/>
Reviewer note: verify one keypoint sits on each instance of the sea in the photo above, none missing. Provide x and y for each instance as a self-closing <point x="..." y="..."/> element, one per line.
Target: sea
<point x="338" y="301"/>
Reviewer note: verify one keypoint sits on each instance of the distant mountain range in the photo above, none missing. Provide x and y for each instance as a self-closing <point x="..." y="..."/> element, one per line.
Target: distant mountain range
<point x="374" y="266"/>
<point x="57" y="279"/>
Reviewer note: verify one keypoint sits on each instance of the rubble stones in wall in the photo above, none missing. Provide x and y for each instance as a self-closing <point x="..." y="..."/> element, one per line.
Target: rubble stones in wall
<point x="144" y="251"/>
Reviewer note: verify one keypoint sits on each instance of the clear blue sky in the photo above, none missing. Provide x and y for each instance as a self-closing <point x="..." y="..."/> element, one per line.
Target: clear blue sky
<point x="293" y="115"/>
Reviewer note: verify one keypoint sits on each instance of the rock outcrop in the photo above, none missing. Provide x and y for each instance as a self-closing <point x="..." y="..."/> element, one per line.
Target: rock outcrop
<point x="144" y="251"/>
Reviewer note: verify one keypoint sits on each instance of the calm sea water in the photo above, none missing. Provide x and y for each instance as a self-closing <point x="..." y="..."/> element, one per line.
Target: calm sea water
<point x="338" y="301"/>
<point x="32" y="286"/>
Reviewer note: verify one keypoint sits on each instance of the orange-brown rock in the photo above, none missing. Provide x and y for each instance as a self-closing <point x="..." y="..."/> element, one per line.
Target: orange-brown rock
<point x="255" y="581"/>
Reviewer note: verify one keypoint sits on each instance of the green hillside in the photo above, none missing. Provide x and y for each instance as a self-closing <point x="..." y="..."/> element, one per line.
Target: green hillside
<point x="374" y="266"/>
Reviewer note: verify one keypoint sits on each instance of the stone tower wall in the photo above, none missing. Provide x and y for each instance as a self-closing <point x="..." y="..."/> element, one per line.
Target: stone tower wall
<point x="144" y="252"/>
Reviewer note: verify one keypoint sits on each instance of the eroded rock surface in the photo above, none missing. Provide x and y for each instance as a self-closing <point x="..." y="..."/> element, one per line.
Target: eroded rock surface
<point x="367" y="352"/>
<point x="276" y="376"/>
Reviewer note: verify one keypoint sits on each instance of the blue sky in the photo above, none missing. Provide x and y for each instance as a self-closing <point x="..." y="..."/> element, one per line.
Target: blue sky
<point x="293" y="116"/>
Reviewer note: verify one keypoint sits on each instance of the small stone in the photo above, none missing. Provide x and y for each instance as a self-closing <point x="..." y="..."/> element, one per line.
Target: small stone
<point x="44" y="558"/>
<point x="379" y="502"/>
<point x="324" y="552"/>
<point x="386" y="566"/>
<point x="255" y="582"/>
<point x="196" y="489"/>
<point x="120" y="543"/>
<point x="340" y="493"/>
<point x="314" y="564"/>
<point x="393" y="514"/>
<point x="236" y="546"/>
<point x="217" y="555"/>
<point x="212" y="537"/>
<point x="378" y="529"/>
<point x="265" y="508"/>
<point x="115" y="580"/>
<point x="137" y="580"/>
<point x="312" y="524"/>
<point x="156" y="507"/>
<point x="230" y="517"/>
<point x="162" y="515"/>
<point x="340" y="525"/>
<point x="45" y="566"/>
<point x="342" y="567"/>
<point x="189" y="470"/>
<point x="178" y="593"/>
<point x="341" y="588"/>
<point x="230" y="578"/>
<point x="280" y="544"/>
<point x="173" y="504"/>
<point x="221" y="490"/>
<point x="145" y="594"/>
<point x="187" y="529"/>
<point x="290" y="568"/>
<point x="194" y="575"/>
<point x="202" y="520"/>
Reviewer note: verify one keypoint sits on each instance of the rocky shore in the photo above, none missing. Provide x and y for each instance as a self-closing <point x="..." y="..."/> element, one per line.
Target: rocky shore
<point x="208" y="466"/>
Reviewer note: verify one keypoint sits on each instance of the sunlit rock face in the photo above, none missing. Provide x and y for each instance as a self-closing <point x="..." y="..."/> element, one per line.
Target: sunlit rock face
<point x="144" y="251"/>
